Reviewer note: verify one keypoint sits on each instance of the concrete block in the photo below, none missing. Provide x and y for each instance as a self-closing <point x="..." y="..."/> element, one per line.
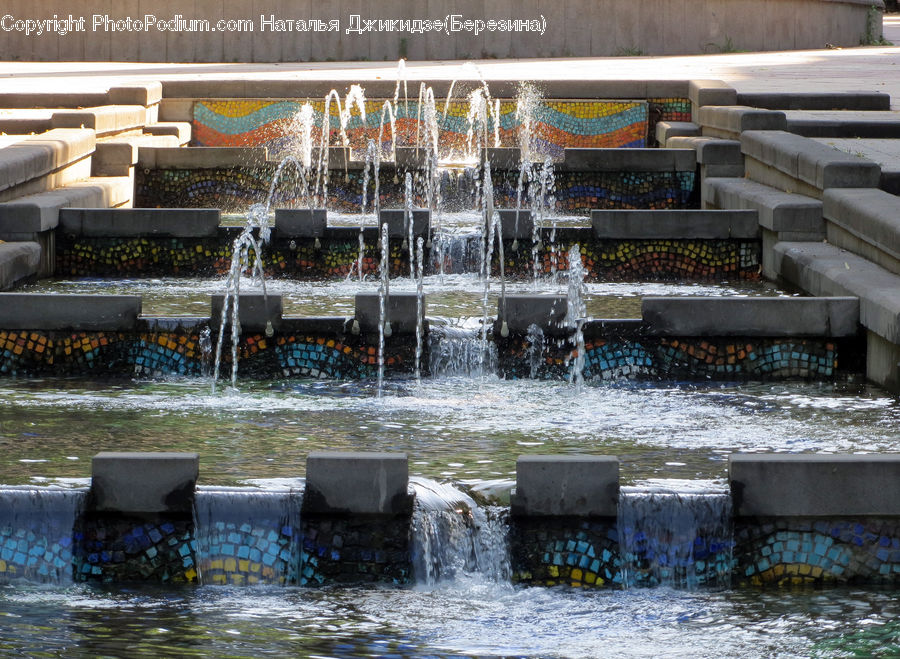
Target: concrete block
<point x="515" y="225"/>
<point x="143" y="482"/>
<point x="666" y="130"/>
<point x="301" y="222"/>
<point x="730" y="121"/>
<point x="18" y="261"/>
<point x="410" y="157"/>
<point x="711" y="92"/>
<point x="637" y="160"/>
<point x="711" y="150"/>
<point x="181" y="130"/>
<point x="400" y="311"/>
<point x="397" y="221"/>
<point x="522" y="310"/>
<point x="138" y="222"/>
<point x="114" y="158"/>
<point x="862" y="100"/>
<point x="566" y="485"/>
<point x="675" y="224"/>
<point x="103" y="120"/>
<point x="32" y="99"/>
<point x="357" y="483"/>
<point x="812" y="485"/>
<point x="179" y="110"/>
<point x="38" y="155"/>
<point x="201" y="157"/>
<point x="502" y="157"/>
<point x="142" y="93"/>
<point x="255" y="311"/>
<point x="751" y="316"/>
<point x="778" y="210"/>
<point x="844" y="125"/>
<point x="43" y="311"/>
<point x="870" y="214"/>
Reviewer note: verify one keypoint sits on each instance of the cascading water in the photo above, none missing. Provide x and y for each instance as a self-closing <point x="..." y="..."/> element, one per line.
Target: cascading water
<point x="677" y="537"/>
<point x="454" y="538"/>
<point x="575" y="315"/>
<point x="36" y="531"/>
<point x="247" y="538"/>
<point x="384" y="290"/>
<point x="534" y="338"/>
<point x="459" y="351"/>
<point x="420" y="303"/>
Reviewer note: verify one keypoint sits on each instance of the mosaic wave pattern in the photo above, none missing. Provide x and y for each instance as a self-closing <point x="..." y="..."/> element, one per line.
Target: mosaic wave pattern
<point x="558" y="124"/>
<point x="574" y="552"/>
<point x="797" y="552"/>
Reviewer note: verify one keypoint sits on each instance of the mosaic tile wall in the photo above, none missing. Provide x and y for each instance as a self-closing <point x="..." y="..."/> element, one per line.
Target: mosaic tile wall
<point x="577" y="193"/>
<point x="558" y="124"/>
<point x="571" y="551"/>
<point x="119" y="548"/>
<point x="816" y="551"/>
<point x="365" y="549"/>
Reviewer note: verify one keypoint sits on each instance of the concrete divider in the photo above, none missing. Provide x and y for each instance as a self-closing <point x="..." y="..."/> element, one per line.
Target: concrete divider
<point x="778" y="210"/>
<point x="865" y="221"/>
<point x="18" y="261"/>
<point x="301" y="222"/>
<point x="781" y="485"/>
<point x="201" y="157"/>
<point x="396" y="219"/>
<point x="400" y="310"/>
<point x="143" y="482"/>
<point x="751" y="316"/>
<point x="635" y="160"/>
<point x="675" y="224"/>
<point x="357" y="483"/>
<point x="42" y="311"/>
<point x="137" y="222"/>
<point x="665" y="130"/>
<point x="729" y="121"/>
<point x="515" y="224"/>
<point x="255" y="311"/>
<point x="502" y="157"/>
<point x="522" y="310"/>
<point x="566" y="485"/>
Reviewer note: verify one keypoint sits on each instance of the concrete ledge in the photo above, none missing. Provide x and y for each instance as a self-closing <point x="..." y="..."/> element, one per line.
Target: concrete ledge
<point x="862" y="100"/>
<point x="301" y="222"/>
<point x="711" y="92"/>
<point x="400" y="309"/>
<point x="730" y="121"/>
<point x="136" y="222"/>
<point x="24" y="100"/>
<point x="357" y="483"/>
<point x="103" y="120"/>
<point x="502" y="157"/>
<point x="515" y="224"/>
<point x="139" y="93"/>
<point x="711" y="150"/>
<point x="566" y="485"/>
<point x="24" y="121"/>
<point x="778" y="210"/>
<point x="822" y="269"/>
<point x="201" y="157"/>
<point x="18" y="261"/>
<point x="879" y="125"/>
<point x="751" y="316"/>
<point x="40" y="311"/>
<point x="869" y="214"/>
<point x="666" y="130"/>
<point x="816" y="164"/>
<point x="38" y="155"/>
<point x="636" y="160"/>
<point x="180" y="130"/>
<point x="255" y="310"/>
<point x="883" y="152"/>
<point x="675" y="224"/>
<point x="396" y="219"/>
<point x="815" y="485"/>
<point x="523" y="310"/>
<point x="144" y="482"/>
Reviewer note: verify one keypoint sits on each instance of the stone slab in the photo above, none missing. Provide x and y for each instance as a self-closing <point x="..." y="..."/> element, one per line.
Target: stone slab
<point x="44" y="311"/>
<point x="201" y="157"/>
<point x="877" y="125"/>
<point x="515" y="225"/>
<point x="797" y="100"/>
<point x="711" y="150"/>
<point x="711" y="92"/>
<point x="523" y="310"/>
<point x="566" y="485"/>
<point x="18" y="261"/>
<point x="636" y="160"/>
<point x="778" y="210"/>
<point x="64" y="99"/>
<point x="884" y="152"/>
<point x="400" y="309"/>
<point x="675" y="224"/>
<point x="751" y="316"/>
<point x="103" y="120"/>
<point x="870" y="214"/>
<point x="301" y="222"/>
<point x="812" y="485"/>
<point x="668" y="129"/>
<point x="139" y="93"/>
<point x="729" y="121"/>
<point x="143" y="482"/>
<point x="181" y="130"/>
<point x="38" y="155"/>
<point x="396" y="219"/>
<point x="357" y="483"/>
<point x="255" y="311"/>
<point x="139" y="222"/>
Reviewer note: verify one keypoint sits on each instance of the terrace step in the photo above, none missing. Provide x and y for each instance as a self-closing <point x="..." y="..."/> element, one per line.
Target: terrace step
<point x="884" y="152"/>
<point x="43" y="162"/>
<point x="137" y="222"/>
<point x="778" y="210"/>
<point x="675" y="224"/>
<point x="844" y="124"/>
<point x="729" y="121"/>
<point x="103" y="120"/>
<point x="181" y="130"/>
<point x="18" y="261"/>
<point x="865" y="221"/>
<point x="861" y="100"/>
<point x="118" y="155"/>
<point x="668" y="129"/>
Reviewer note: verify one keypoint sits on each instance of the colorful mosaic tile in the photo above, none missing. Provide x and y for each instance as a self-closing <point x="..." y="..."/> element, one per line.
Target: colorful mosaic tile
<point x="815" y="551"/>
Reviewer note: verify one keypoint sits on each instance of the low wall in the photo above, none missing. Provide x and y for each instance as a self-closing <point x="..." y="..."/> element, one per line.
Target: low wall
<point x="269" y="30"/>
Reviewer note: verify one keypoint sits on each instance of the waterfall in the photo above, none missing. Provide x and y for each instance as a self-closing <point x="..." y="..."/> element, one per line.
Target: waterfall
<point x="247" y="538"/>
<point x="453" y="537"/>
<point x="458" y="351"/>
<point x="681" y="538"/>
<point x="36" y="534"/>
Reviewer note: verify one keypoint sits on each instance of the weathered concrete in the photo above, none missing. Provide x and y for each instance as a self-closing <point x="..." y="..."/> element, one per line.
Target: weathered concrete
<point x="883" y="152"/>
<point x="675" y="224"/>
<point x="566" y="485"/>
<point x="637" y="160"/>
<point x="798" y="100"/>
<point x="882" y="362"/>
<point x="103" y="120"/>
<point x="137" y="93"/>
<point x="255" y="311"/>
<point x="357" y="483"/>
<point x="143" y="482"/>
<point x="729" y="121"/>
<point x="502" y="157"/>
<point x="40" y="311"/>
<point x="180" y="130"/>
<point x="522" y="310"/>
<point x="709" y="92"/>
<point x="515" y="225"/>
<point x="400" y="309"/>
<point x="865" y="221"/>
<point x="18" y="261"/>
<point x="137" y="222"/>
<point x="200" y="157"/>
<point x="396" y="219"/>
<point x="40" y="155"/>
<point x="844" y="124"/>
<point x="751" y="316"/>
<point x="781" y="485"/>
<point x="711" y="150"/>
<point x="778" y="210"/>
<point x="801" y="160"/>
<point x="666" y="130"/>
<point x="301" y="222"/>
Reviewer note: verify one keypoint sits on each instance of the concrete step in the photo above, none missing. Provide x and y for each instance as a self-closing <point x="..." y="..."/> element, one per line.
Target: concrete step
<point x="43" y="162"/>
<point x="729" y="121"/>
<point x="668" y="129"/>
<point x="884" y="152"/>
<point x="675" y="224"/>
<point x="865" y="221"/>
<point x="25" y="122"/>
<point x="179" y="129"/>
<point x="103" y="120"/>
<point x="18" y="261"/>
<point x="844" y="124"/>
<point x="116" y="156"/>
<point x="862" y="100"/>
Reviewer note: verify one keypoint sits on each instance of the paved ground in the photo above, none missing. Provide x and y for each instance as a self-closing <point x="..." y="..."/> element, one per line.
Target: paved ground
<point x="851" y="69"/>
